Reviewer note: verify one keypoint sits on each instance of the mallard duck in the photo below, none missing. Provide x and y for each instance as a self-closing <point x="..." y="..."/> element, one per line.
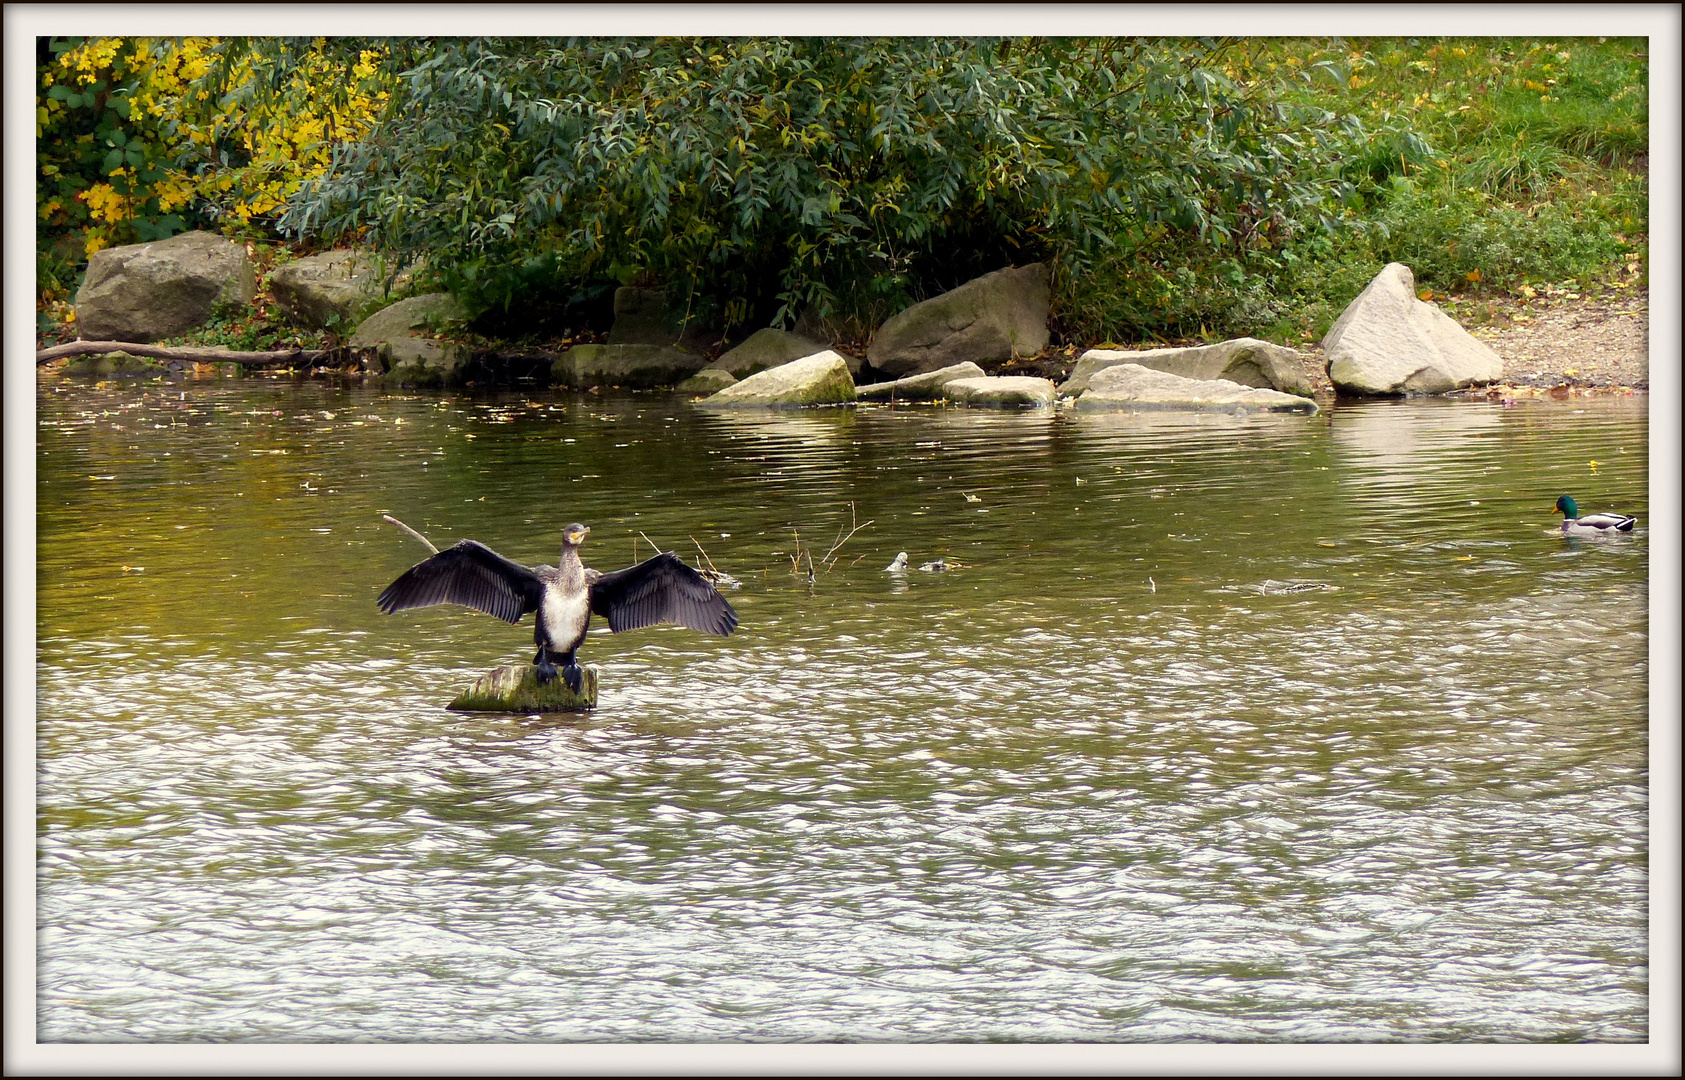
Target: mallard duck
<point x="657" y="590"/>
<point x="1592" y="524"/>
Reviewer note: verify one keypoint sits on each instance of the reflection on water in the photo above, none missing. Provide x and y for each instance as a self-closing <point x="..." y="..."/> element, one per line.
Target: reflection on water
<point x="1108" y="780"/>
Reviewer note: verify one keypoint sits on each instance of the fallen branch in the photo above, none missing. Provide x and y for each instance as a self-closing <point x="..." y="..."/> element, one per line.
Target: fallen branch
<point x="198" y="354"/>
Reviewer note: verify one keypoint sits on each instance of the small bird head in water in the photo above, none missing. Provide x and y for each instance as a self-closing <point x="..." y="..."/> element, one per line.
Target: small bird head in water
<point x="898" y="565"/>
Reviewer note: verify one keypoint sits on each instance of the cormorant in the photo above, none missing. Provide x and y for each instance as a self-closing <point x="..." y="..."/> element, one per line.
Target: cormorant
<point x="657" y="590"/>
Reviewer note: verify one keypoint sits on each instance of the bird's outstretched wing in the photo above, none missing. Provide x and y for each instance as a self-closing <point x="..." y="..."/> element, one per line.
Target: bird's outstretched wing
<point x="660" y="590"/>
<point x="469" y="574"/>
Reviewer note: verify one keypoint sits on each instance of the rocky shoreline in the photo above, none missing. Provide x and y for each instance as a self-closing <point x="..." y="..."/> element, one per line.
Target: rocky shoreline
<point x="992" y="332"/>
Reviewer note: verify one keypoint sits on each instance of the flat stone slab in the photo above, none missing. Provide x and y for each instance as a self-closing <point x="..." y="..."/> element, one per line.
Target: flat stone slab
<point x="1247" y="361"/>
<point x="926" y="387"/>
<point x="821" y="379"/>
<point x="514" y="688"/>
<point x="1126" y="387"/>
<point x="1388" y="341"/>
<point x="1002" y="391"/>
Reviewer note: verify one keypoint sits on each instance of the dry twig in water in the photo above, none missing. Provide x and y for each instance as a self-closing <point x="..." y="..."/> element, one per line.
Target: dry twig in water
<point x="830" y="558"/>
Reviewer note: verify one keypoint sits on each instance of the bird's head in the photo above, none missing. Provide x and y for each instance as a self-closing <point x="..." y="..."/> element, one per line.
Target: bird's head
<point x="574" y="535"/>
<point x="1566" y="506"/>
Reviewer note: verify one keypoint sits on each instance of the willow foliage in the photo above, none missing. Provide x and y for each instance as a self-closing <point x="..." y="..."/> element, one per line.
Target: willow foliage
<point x="775" y="176"/>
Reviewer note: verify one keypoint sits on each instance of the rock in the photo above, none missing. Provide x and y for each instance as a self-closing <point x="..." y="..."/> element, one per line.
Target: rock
<point x="144" y="292"/>
<point x="637" y="367"/>
<point x="1127" y="387"/>
<point x="402" y="319"/>
<point x="1002" y="391"/>
<point x="706" y="381"/>
<point x="768" y="348"/>
<point x="1389" y="342"/>
<point x="113" y="363"/>
<point x="652" y="317"/>
<point x="1246" y="361"/>
<point x="320" y="289"/>
<point x="388" y="340"/>
<point x="994" y="317"/>
<point x="926" y="387"/>
<point x="516" y="689"/>
<point x="821" y="379"/>
<point x="422" y="362"/>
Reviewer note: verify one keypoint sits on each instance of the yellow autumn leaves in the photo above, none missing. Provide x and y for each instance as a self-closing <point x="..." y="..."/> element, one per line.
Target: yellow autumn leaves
<point x="243" y="161"/>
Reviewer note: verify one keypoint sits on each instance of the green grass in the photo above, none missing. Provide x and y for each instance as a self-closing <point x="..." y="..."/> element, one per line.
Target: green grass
<point x="1488" y="165"/>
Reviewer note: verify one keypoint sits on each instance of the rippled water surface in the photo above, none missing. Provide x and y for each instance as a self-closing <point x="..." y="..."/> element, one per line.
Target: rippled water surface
<point x="1220" y="729"/>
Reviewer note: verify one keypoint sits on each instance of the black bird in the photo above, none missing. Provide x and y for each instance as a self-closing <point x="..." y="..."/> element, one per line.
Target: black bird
<point x="657" y="590"/>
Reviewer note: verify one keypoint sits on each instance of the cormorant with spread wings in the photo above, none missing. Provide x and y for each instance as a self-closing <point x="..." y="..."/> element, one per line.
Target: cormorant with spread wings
<point x="658" y="590"/>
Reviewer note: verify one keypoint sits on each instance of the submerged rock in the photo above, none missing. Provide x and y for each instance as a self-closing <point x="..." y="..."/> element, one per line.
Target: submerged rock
<point x="515" y="689"/>
<point x="638" y="367"/>
<point x="926" y="387"/>
<point x="1125" y="387"/>
<point x="821" y="379"/>
<point x="143" y="292"/>
<point x="1247" y="361"/>
<point x="1389" y="342"/>
<point x="994" y="317"/>
<point x="1002" y="391"/>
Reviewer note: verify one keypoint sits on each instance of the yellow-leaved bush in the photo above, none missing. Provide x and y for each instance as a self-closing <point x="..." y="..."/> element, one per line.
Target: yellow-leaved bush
<point x="140" y="138"/>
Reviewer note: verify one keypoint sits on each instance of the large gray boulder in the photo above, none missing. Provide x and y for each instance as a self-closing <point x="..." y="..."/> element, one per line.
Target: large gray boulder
<point x="926" y="387"/>
<point x="994" y="317"/>
<point x="390" y="342"/>
<point x="1002" y="392"/>
<point x="1247" y="361"/>
<point x="1130" y="387"/>
<point x="768" y="348"/>
<point x="1389" y="342"/>
<point x="143" y="292"/>
<point x="636" y="367"/>
<point x="821" y="379"/>
<point x="319" y="289"/>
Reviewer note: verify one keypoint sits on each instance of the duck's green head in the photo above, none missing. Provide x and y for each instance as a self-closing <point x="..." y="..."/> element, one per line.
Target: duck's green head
<point x="1566" y="506"/>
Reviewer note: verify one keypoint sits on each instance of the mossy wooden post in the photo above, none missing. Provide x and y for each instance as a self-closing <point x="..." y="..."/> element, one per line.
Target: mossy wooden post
<point x="515" y="689"/>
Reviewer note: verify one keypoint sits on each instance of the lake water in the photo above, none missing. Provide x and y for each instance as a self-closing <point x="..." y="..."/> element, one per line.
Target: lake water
<point x="1278" y="729"/>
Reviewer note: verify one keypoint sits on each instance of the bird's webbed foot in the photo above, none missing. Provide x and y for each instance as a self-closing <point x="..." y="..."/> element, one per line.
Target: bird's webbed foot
<point x="573" y="677"/>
